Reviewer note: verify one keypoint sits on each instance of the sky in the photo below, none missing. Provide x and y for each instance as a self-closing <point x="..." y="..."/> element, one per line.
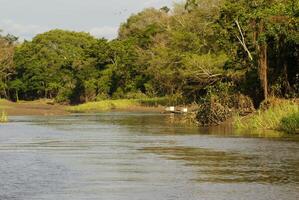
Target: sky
<point x="101" y="18"/>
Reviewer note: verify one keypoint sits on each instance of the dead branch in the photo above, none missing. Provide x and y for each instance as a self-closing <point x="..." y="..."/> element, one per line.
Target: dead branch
<point x="242" y="40"/>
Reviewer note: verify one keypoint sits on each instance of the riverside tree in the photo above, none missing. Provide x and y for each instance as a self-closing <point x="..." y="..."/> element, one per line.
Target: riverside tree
<point x="197" y="49"/>
<point x="7" y="46"/>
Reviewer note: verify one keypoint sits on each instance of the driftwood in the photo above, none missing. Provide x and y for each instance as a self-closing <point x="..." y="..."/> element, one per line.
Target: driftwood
<point x="217" y="110"/>
<point x="212" y="113"/>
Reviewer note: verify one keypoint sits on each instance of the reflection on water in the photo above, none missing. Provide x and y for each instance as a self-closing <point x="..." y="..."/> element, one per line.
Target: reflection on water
<point x="226" y="167"/>
<point x="115" y="156"/>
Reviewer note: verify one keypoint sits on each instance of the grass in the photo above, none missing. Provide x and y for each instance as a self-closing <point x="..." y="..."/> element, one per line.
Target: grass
<point x="3" y="118"/>
<point x="121" y="104"/>
<point x="3" y="101"/>
<point x="4" y="104"/>
<point x="290" y="124"/>
<point x="104" y="105"/>
<point x="269" y="119"/>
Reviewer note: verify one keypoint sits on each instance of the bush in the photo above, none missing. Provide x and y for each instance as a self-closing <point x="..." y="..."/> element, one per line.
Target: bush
<point x="102" y="96"/>
<point x="118" y="94"/>
<point x="135" y="95"/>
<point x="290" y="124"/>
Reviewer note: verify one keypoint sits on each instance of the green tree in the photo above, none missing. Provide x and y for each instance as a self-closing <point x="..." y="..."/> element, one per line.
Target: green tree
<point x="253" y="27"/>
<point x="55" y="63"/>
<point x="7" y="69"/>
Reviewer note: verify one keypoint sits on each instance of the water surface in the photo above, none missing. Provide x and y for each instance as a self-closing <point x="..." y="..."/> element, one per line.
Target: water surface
<point x="130" y="156"/>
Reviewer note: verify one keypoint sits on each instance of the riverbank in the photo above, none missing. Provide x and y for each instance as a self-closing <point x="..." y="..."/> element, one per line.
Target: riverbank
<point x="275" y="114"/>
<point x="118" y="105"/>
<point x="279" y="115"/>
<point x="48" y="107"/>
<point x="39" y="107"/>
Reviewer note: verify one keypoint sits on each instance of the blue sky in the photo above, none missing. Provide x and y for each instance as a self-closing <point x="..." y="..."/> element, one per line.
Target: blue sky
<point x="26" y="18"/>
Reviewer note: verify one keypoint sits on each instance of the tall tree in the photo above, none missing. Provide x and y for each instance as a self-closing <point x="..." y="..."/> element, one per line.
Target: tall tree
<point x="7" y="47"/>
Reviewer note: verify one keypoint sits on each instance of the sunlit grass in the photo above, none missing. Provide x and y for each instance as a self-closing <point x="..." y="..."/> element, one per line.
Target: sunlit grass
<point x="4" y="101"/>
<point x="3" y="117"/>
<point x="290" y="124"/>
<point x="4" y="104"/>
<point x="269" y="119"/>
<point x="120" y="104"/>
<point x="104" y="105"/>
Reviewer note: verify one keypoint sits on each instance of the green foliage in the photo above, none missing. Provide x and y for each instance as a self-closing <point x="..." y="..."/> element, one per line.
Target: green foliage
<point x="7" y="46"/>
<point x="199" y="50"/>
<point x="270" y="118"/>
<point x="290" y="124"/>
<point x="58" y="64"/>
<point x="104" y="105"/>
<point x="124" y="104"/>
<point x="143" y="26"/>
<point x="272" y="24"/>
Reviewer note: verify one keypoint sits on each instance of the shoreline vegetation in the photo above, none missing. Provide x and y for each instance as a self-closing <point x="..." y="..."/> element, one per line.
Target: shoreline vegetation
<point x="3" y="117"/>
<point x="222" y="57"/>
<point x="120" y="104"/>
<point x="275" y="114"/>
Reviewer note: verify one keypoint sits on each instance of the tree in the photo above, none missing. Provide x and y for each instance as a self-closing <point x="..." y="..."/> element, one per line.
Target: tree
<point x="49" y="65"/>
<point x="264" y="23"/>
<point x="7" y="48"/>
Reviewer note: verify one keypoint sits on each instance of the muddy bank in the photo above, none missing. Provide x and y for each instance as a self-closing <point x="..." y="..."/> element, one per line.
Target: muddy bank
<point x="47" y="107"/>
<point x="40" y="107"/>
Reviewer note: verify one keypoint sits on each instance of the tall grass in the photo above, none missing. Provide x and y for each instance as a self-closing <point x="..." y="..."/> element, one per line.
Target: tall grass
<point x="269" y="119"/>
<point x="290" y="124"/>
<point x="3" y="117"/>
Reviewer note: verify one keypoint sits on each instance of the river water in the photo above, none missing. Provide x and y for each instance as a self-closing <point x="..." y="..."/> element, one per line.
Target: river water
<point x="130" y="156"/>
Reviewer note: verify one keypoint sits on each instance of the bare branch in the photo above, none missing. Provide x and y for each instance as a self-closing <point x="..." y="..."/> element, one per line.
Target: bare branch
<point x="242" y="40"/>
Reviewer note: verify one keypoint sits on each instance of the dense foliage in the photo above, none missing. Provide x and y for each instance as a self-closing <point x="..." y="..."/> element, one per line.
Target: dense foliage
<point x="199" y="46"/>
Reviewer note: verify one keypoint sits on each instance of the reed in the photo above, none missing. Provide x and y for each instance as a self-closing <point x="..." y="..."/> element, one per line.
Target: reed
<point x="3" y="118"/>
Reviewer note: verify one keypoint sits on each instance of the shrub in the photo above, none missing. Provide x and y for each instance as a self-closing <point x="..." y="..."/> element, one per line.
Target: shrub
<point x="135" y="95"/>
<point x="290" y="124"/>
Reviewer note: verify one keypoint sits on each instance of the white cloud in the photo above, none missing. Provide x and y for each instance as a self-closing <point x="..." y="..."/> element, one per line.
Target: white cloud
<point x="156" y="3"/>
<point x="100" y="18"/>
<point x="25" y="31"/>
<point x="108" y="32"/>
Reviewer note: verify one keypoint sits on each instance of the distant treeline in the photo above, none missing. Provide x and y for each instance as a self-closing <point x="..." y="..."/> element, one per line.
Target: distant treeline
<point x="195" y="49"/>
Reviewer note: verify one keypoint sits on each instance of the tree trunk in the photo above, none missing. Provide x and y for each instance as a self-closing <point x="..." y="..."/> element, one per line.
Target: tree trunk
<point x="17" y="95"/>
<point x="263" y="62"/>
<point x="263" y="69"/>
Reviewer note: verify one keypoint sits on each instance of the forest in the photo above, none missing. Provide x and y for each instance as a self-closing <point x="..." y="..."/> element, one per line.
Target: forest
<point x="195" y="51"/>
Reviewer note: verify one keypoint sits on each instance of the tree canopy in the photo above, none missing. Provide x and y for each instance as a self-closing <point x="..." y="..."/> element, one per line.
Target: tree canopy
<point x="196" y="47"/>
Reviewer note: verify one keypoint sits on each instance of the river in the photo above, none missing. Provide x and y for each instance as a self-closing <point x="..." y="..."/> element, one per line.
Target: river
<point x="141" y="156"/>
